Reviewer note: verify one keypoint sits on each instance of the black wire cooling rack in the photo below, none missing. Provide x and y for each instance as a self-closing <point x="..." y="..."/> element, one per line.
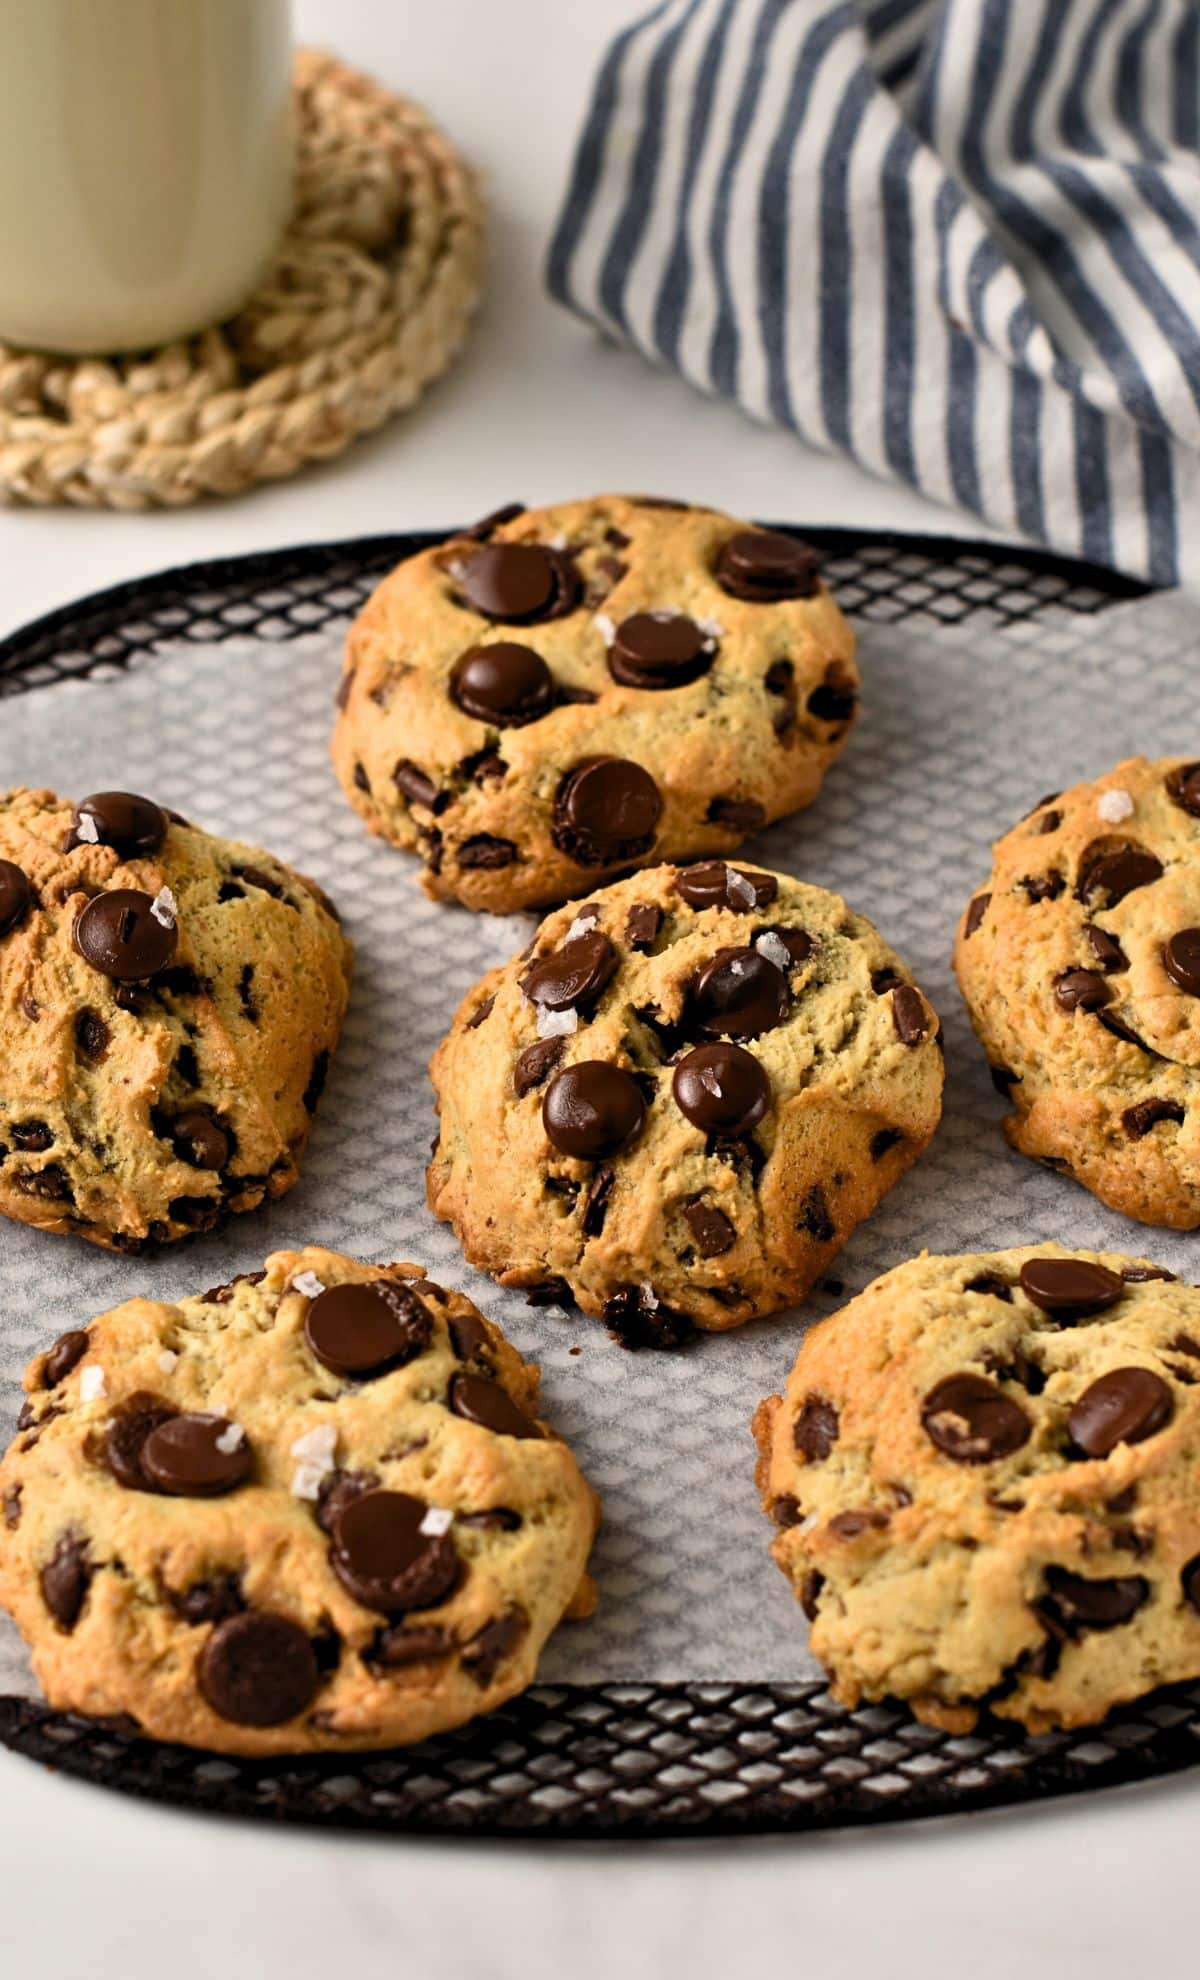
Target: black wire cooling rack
<point x="617" y="1760"/>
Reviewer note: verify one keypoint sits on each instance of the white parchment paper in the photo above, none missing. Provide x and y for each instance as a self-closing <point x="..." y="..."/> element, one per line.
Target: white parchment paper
<point x="961" y="732"/>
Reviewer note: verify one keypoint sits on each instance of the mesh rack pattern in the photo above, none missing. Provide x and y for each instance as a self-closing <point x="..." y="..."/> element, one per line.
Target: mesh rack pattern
<point x="615" y="1759"/>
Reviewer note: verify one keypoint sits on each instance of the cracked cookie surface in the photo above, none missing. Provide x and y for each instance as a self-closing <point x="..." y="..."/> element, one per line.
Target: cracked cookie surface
<point x="1080" y="964"/>
<point x="311" y="1510"/>
<point x="574" y="691"/>
<point x="986" y="1475"/>
<point x="679" y="1102"/>
<point x="169" y="1002"/>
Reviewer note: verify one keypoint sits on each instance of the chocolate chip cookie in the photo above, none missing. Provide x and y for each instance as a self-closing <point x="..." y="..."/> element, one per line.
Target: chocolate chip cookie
<point x="565" y="693"/>
<point x="1080" y="964"/>
<point x="984" y="1476"/>
<point x="168" y="1005"/>
<point x="679" y="1102"/>
<point x="310" y="1510"/>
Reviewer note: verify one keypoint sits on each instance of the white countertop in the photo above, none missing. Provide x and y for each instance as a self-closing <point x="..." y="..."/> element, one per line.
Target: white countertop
<point x="99" y="1885"/>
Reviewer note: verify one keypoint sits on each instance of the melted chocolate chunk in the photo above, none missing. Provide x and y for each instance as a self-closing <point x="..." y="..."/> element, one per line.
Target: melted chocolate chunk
<point x="1081" y="990"/>
<point x="519" y="583"/>
<point x="1072" y="1604"/>
<point x="403" y="1644"/>
<point x="742" y="815"/>
<point x="764" y="566"/>
<point x="595" y="1202"/>
<point x="883" y="1142"/>
<point x="1123" y="1407"/>
<point x="637" y="1318"/>
<point x="418" y="788"/>
<point x="1070" y="1288"/>
<point x="1138" y="1120"/>
<point x="65" y="1580"/>
<point x="606" y="811"/>
<point x="714" y="884"/>
<point x="814" y="1216"/>
<point x="485" y="1652"/>
<point x="363" y="1329"/>
<point x="739" y="994"/>
<point x="1181" y="960"/>
<point x="642" y="926"/>
<point x="258" y="1669"/>
<point x="816" y="1429"/>
<point x="207" y="1601"/>
<point x="836" y="699"/>
<point x="504" y="684"/>
<point x="68" y="1350"/>
<point x="134" y="827"/>
<point x="1042" y="886"/>
<point x="1106" y="949"/>
<point x="1108" y="872"/>
<point x="972" y="1421"/>
<point x="484" y="852"/>
<point x="910" y="1015"/>
<point x="535" y="1063"/>
<point x="573" y="977"/>
<point x="593" y="1110"/>
<point x="196" y="1456"/>
<point x="383" y="1558"/>
<point x="478" y="1400"/>
<point x="721" y="1088"/>
<point x="711" y="1229"/>
<point x="975" y="913"/>
<point x="16" y="896"/>
<point x="657" y="650"/>
<point x="119" y="934"/>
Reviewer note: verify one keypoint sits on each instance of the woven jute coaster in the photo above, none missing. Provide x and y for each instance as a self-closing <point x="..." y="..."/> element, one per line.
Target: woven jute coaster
<point x="367" y="302"/>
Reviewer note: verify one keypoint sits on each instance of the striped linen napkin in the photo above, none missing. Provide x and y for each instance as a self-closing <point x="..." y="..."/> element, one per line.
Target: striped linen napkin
<point x="958" y="240"/>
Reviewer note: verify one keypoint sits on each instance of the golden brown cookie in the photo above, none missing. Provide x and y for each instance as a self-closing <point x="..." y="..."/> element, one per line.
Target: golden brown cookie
<point x="986" y="1475"/>
<point x="168" y="1005"/>
<point x="568" y="692"/>
<point x="311" y="1510"/>
<point x="1080" y="964"/>
<point x="679" y="1102"/>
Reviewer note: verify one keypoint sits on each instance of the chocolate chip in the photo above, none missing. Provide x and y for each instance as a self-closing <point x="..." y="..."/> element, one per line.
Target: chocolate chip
<point x="910" y="1015"/>
<point x="535" y="1063"/>
<point x="1081" y="990"/>
<point x="413" y="784"/>
<point x="595" y="1203"/>
<point x="65" y="1580"/>
<point x="637" y="1318"/>
<point x="1070" y="1287"/>
<point x="991" y="1284"/>
<point x="721" y="1088"/>
<point x="810" y="1593"/>
<point x="265" y="882"/>
<point x="503" y="683"/>
<point x="478" y="1400"/>
<point x="814" y="1216"/>
<point x="395" y="1648"/>
<point x="785" y="1512"/>
<point x="1181" y="960"/>
<point x="384" y="1560"/>
<point x="134" y="827"/>
<point x="1072" y="1604"/>
<point x="1043" y="886"/>
<point x="200" y="1139"/>
<point x="742" y="1154"/>
<point x="764" y="566"/>
<point x="363" y="1329"/>
<point x="853" y="1524"/>
<point x="16" y="896"/>
<point x="33" y="1137"/>
<point x="972" y="1421"/>
<point x="196" y="1213"/>
<point x="221" y="1295"/>
<point x="836" y="699"/>
<point x="484" y="852"/>
<point x="119" y="934"/>
<point x="642" y="925"/>
<point x="1123" y="1407"/>
<point x="606" y="810"/>
<point x="1190" y="1578"/>
<point x="716" y="885"/>
<point x="975" y="913"/>
<point x="342" y="697"/>
<point x="1147" y="1114"/>
<point x="1106" y="949"/>
<point x="659" y="650"/>
<point x="551" y="1292"/>
<point x="883" y="1143"/>
<point x="519" y="583"/>
<point x="68" y="1350"/>
<point x="195" y="1456"/>
<point x="11" y="1507"/>
<point x="1138" y="1274"/>
<point x="593" y="1110"/>
<point x="51" y="1182"/>
<point x="816" y="1429"/>
<point x="487" y="1649"/>
<point x="336" y="1491"/>
<point x="484" y="766"/>
<point x="711" y="1229"/>
<point x="316" y="1082"/>
<point x="739" y="994"/>
<point x="1183" y="787"/>
<point x="798" y="944"/>
<point x="258" y="1669"/>
<point x="207" y="1601"/>
<point x="744" y="815"/>
<point x="571" y="978"/>
<point x="1108" y="872"/>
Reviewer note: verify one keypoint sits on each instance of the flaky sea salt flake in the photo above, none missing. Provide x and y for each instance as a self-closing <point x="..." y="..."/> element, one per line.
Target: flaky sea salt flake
<point x="1114" y="806"/>
<point x="165" y="908"/>
<point x="557" y="1024"/>
<point x="437" y="1520"/>
<point x="316" y="1446"/>
<point x="167" y="1360"/>
<point x="87" y="829"/>
<point x="739" y="887"/>
<point x="605" y="627"/>
<point x="91" y="1382"/>
<point x="230" y="1440"/>
<point x="307" y="1284"/>
<point x="774" y="948"/>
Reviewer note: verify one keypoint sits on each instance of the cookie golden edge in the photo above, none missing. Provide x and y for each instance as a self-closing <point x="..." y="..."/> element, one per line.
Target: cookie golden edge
<point x="891" y="1616"/>
<point x="489" y="1140"/>
<point x="411" y="629"/>
<point x="131" y="1657"/>
<point x="263" y="1078"/>
<point x="1069" y="1082"/>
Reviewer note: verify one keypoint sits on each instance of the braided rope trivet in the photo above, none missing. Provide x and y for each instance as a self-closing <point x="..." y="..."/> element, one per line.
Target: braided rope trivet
<point x="368" y="301"/>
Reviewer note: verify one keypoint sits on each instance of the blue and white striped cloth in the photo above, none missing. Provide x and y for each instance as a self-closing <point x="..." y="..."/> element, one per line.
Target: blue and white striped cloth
<point x="958" y="240"/>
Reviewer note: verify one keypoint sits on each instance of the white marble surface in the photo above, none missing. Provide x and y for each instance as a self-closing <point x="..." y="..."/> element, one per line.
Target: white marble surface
<point x="95" y="1884"/>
